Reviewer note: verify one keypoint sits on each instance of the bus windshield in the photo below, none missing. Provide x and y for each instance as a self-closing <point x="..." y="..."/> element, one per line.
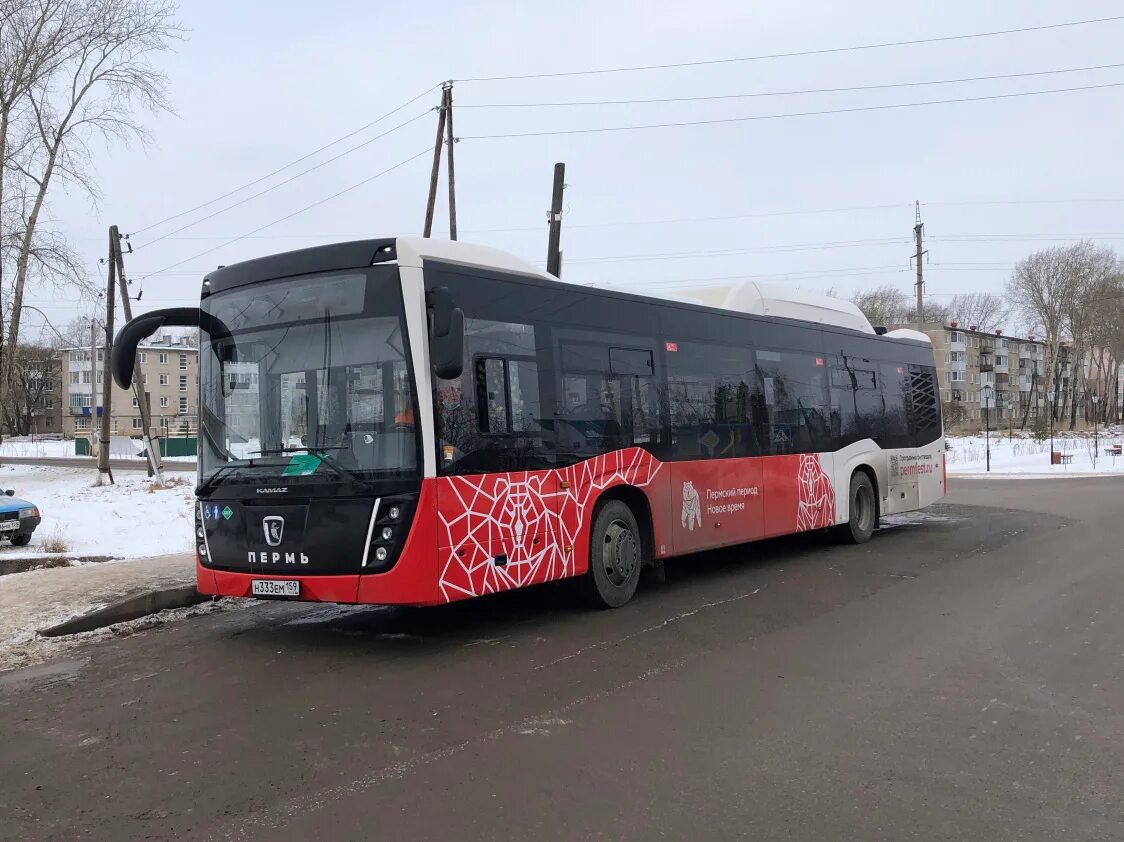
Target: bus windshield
<point x="308" y="377"/>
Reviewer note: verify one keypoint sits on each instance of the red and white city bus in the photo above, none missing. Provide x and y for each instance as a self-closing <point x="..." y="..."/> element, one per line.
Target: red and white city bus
<point x="408" y="421"/>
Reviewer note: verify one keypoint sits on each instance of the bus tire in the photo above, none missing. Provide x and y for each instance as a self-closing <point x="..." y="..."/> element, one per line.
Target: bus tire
<point x="862" y="511"/>
<point x="616" y="554"/>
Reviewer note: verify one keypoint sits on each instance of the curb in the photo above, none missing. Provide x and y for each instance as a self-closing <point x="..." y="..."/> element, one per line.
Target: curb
<point x="130" y="608"/>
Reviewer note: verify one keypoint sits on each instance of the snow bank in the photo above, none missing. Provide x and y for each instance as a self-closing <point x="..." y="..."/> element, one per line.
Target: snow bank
<point x="120" y="447"/>
<point x="1023" y="456"/>
<point x="126" y="520"/>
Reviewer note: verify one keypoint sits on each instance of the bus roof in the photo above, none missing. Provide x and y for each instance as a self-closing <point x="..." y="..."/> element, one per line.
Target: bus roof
<point x="746" y="296"/>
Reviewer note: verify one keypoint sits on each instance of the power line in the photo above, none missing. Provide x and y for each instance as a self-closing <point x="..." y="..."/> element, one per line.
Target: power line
<point x="796" y="54"/>
<point x="292" y="178"/>
<point x="295" y="161"/>
<point x="358" y="184"/>
<point x="790" y="93"/>
<point x="793" y="247"/>
<point x="719" y="120"/>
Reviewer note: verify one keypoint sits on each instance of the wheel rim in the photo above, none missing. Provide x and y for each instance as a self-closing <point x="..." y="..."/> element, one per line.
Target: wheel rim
<point x="620" y="553"/>
<point x="863" y="506"/>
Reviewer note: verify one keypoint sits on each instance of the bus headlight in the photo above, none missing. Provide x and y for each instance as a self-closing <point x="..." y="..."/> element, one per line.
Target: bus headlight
<point x="393" y="513"/>
<point x="381" y="553"/>
<point x="387" y="533"/>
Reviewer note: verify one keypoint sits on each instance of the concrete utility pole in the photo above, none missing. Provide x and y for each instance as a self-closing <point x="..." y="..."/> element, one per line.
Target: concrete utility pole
<point x="107" y="380"/>
<point x="151" y="448"/>
<point x="553" y="252"/>
<point x="436" y="171"/>
<point x="918" y="232"/>
<point x="93" y="378"/>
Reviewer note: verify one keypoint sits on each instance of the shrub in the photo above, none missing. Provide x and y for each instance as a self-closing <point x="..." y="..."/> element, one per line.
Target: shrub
<point x="54" y="543"/>
<point x="1039" y="428"/>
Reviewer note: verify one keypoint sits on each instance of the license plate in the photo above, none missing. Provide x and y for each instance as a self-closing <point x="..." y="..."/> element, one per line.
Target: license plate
<point x="9" y="526"/>
<point x="275" y="587"/>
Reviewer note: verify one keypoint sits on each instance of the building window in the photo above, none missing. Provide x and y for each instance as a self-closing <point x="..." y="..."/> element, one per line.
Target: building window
<point x="164" y="403"/>
<point x="138" y="423"/>
<point x="49" y="386"/>
<point x="164" y="421"/>
<point x="79" y="400"/>
<point x="163" y="380"/>
<point x="183" y="382"/>
<point x="183" y="362"/>
<point x="163" y="359"/>
<point x="143" y="357"/>
<point x="82" y="424"/>
<point x="75" y="377"/>
<point x="183" y="406"/>
<point x="145" y="378"/>
<point x="50" y="403"/>
<point x="954" y="336"/>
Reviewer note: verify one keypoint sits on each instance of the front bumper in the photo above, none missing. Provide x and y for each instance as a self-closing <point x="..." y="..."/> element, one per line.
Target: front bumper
<point x="27" y="525"/>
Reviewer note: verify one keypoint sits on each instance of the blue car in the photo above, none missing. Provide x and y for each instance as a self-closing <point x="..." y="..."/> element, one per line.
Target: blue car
<point x="18" y="518"/>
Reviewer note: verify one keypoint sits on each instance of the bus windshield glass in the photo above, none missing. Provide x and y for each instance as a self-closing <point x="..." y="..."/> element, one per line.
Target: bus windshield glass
<point x="308" y="377"/>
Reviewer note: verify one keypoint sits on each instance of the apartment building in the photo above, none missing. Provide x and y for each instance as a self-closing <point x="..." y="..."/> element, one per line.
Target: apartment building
<point x="969" y="361"/>
<point x="170" y="367"/>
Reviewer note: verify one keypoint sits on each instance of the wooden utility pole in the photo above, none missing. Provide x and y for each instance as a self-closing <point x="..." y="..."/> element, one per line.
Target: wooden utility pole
<point x="107" y="379"/>
<point x="151" y="448"/>
<point x="553" y="254"/>
<point x="449" y="141"/>
<point x="441" y="113"/>
<point x="918" y="232"/>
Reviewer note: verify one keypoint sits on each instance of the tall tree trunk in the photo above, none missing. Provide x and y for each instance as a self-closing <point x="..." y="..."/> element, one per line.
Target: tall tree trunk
<point x="23" y="260"/>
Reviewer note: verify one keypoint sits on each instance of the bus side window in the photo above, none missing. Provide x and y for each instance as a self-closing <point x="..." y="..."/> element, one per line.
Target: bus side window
<point x="507" y="395"/>
<point x="797" y="401"/>
<point x="714" y="399"/>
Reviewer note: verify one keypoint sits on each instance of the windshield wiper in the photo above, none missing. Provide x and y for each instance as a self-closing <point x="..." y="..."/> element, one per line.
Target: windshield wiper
<point x="320" y="452"/>
<point x="208" y="485"/>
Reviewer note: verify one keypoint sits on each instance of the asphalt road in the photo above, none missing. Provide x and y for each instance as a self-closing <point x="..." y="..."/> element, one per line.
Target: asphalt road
<point x="960" y="677"/>
<point x="87" y="462"/>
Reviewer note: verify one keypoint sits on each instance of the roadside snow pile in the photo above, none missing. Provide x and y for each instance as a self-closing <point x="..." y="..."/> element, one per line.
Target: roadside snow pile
<point x="120" y="447"/>
<point x="1024" y="455"/>
<point x="41" y="448"/>
<point x="128" y="520"/>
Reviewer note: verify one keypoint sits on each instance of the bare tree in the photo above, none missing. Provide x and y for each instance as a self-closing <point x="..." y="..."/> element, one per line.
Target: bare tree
<point x="1041" y="288"/>
<point x="985" y="310"/>
<point x="95" y="83"/>
<point x="883" y="305"/>
<point x="35" y="37"/>
<point x="34" y="372"/>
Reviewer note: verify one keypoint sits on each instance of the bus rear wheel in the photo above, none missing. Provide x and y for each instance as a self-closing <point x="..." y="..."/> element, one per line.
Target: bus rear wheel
<point x="616" y="555"/>
<point x="862" y="511"/>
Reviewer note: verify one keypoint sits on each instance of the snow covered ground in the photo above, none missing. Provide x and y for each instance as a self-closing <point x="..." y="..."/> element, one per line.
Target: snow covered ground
<point x="120" y="447"/>
<point x="128" y="520"/>
<point x="1025" y="457"/>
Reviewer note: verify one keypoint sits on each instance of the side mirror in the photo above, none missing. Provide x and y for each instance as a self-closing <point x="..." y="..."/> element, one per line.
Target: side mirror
<point x="446" y="341"/>
<point x="123" y="355"/>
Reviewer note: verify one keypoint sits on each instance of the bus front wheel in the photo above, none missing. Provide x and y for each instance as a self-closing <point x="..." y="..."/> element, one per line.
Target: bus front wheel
<point x="616" y="554"/>
<point x="862" y="511"/>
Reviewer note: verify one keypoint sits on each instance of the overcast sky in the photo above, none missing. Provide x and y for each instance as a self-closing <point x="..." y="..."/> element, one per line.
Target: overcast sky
<point x="258" y="84"/>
